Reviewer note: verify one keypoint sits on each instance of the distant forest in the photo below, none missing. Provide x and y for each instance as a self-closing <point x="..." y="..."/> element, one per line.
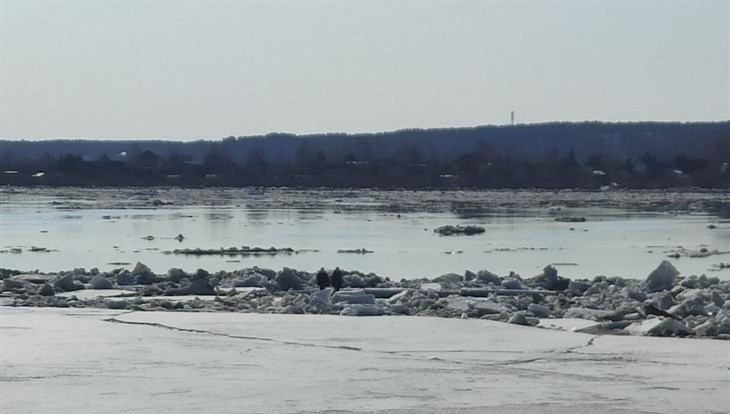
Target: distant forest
<point x="557" y="155"/>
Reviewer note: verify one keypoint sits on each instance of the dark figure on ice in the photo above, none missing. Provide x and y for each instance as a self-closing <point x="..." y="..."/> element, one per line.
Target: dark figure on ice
<point x="336" y="279"/>
<point x="323" y="280"/>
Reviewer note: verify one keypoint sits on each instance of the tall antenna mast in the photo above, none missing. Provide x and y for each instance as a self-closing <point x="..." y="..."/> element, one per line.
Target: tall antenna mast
<point x="512" y="116"/>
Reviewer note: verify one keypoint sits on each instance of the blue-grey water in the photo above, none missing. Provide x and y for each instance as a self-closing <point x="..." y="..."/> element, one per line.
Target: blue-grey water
<point x="625" y="234"/>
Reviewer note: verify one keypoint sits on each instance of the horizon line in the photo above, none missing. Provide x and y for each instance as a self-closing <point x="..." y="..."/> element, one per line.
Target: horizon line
<point x="305" y="135"/>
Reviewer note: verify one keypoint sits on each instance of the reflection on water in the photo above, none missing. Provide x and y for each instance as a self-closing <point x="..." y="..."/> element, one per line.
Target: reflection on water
<point x="626" y="235"/>
<point x="257" y="215"/>
<point x="721" y="210"/>
<point x="218" y="215"/>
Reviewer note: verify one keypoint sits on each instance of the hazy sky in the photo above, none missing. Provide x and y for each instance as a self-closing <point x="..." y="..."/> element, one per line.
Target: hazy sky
<point x="210" y="69"/>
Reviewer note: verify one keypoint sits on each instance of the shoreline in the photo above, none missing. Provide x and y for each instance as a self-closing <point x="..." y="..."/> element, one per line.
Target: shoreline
<point x="664" y="304"/>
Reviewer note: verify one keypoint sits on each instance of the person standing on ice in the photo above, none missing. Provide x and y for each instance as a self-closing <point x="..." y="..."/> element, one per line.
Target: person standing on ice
<point x="336" y="280"/>
<point x="323" y="279"/>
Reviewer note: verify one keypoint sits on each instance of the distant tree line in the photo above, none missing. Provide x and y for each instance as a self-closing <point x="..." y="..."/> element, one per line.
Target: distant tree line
<point x="589" y="155"/>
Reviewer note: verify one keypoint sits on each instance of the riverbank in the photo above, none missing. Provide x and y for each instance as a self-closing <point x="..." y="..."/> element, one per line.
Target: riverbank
<point x="664" y="304"/>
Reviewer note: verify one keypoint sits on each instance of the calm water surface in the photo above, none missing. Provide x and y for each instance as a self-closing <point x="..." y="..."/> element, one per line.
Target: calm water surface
<point x="623" y="235"/>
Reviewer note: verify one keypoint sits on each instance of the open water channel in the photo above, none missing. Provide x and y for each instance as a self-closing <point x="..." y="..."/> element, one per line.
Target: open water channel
<point x="625" y="233"/>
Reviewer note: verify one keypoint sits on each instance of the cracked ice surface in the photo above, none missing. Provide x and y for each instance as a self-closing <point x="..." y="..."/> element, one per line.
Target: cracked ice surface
<point x="91" y="361"/>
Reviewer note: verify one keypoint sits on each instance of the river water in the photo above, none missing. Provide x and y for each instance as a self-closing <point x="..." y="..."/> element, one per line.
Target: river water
<point x="625" y="233"/>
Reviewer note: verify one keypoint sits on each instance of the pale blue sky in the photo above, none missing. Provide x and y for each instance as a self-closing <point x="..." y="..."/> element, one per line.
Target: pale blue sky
<point x="190" y="70"/>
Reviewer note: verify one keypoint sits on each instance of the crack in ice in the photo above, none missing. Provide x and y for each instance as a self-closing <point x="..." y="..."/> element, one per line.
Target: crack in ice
<point x="250" y="338"/>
